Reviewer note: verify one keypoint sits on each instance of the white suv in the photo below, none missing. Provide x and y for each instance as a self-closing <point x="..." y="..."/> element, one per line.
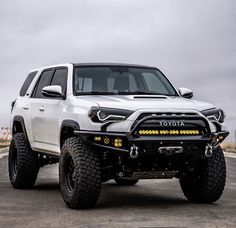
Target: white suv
<point x="114" y="121"/>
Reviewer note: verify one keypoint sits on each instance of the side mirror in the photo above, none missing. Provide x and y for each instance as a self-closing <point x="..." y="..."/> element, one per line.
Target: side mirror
<point x="186" y="93"/>
<point x="53" y="91"/>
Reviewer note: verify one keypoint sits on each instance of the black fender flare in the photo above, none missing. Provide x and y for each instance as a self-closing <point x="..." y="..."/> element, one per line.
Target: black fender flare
<point x="70" y="123"/>
<point x="20" y="119"/>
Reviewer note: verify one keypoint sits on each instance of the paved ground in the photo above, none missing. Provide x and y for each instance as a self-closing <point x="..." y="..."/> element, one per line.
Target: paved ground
<point x="155" y="203"/>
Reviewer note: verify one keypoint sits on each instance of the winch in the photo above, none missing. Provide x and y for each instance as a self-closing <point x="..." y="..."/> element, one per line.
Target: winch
<point x="169" y="150"/>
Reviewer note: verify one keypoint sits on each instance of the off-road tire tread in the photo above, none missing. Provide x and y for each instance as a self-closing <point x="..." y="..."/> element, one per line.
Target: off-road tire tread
<point x="213" y="181"/>
<point x="28" y="164"/>
<point x="88" y="174"/>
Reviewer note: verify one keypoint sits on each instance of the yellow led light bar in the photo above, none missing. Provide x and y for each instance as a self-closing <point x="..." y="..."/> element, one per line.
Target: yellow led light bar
<point x="168" y="132"/>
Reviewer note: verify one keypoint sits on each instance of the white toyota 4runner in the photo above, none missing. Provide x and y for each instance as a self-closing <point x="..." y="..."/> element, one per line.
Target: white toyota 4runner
<point x="114" y="121"/>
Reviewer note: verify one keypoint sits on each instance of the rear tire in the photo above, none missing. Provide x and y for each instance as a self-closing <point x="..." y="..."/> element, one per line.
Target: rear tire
<point x="125" y="182"/>
<point x="23" y="164"/>
<point x="79" y="174"/>
<point x="206" y="183"/>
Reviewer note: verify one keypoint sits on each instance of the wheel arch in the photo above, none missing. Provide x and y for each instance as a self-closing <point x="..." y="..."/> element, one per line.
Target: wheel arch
<point x="18" y="126"/>
<point x="67" y="130"/>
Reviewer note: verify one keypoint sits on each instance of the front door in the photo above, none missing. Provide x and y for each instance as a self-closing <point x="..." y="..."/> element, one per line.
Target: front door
<point x="46" y="111"/>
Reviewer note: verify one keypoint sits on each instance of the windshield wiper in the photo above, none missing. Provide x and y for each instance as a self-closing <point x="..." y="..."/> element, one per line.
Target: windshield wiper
<point x="136" y="92"/>
<point x="95" y="93"/>
<point x="140" y="92"/>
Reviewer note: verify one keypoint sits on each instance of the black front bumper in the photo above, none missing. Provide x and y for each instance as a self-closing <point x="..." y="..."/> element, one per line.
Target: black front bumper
<point x="133" y="138"/>
<point x="129" y="139"/>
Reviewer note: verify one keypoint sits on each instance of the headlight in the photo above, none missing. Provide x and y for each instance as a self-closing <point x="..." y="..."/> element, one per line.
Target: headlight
<point x="215" y="115"/>
<point x="99" y="115"/>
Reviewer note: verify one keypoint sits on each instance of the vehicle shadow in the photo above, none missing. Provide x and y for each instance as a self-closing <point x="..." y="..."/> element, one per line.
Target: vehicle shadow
<point x="139" y="196"/>
<point x="46" y="186"/>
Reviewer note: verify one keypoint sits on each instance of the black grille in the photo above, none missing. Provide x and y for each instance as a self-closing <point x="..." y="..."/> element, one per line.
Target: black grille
<point x="171" y="124"/>
<point x="165" y="114"/>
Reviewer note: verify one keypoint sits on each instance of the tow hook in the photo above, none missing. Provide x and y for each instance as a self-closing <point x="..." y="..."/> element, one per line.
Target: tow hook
<point x="133" y="151"/>
<point x="208" y="150"/>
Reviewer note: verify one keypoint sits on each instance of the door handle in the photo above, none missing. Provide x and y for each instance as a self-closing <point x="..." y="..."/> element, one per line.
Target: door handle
<point x="26" y="107"/>
<point x="41" y="109"/>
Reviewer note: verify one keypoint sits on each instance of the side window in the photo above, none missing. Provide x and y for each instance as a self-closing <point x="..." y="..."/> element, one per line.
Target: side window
<point x="60" y="78"/>
<point x="44" y="80"/>
<point x="27" y="83"/>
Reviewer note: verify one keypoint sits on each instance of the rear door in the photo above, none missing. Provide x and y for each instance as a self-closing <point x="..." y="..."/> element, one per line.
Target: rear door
<point x="22" y="107"/>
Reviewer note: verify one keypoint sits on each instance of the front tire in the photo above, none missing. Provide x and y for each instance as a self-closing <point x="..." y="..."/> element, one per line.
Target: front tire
<point x="23" y="164"/>
<point x="206" y="183"/>
<point x="79" y="174"/>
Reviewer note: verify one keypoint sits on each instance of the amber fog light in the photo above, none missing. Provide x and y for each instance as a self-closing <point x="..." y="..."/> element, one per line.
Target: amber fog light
<point x="118" y="142"/>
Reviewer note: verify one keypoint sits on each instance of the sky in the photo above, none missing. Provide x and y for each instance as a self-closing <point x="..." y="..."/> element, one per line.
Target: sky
<point x="192" y="42"/>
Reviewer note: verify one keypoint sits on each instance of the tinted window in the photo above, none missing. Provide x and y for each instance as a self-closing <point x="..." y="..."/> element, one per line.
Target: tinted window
<point x="84" y="84"/>
<point x="115" y="83"/>
<point x="44" y="80"/>
<point x="121" y="80"/>
<point x="103" y="80"/>
<point x="154" y="83"/>
<point x="27" y="83"/>
<point x="60" y="78"/>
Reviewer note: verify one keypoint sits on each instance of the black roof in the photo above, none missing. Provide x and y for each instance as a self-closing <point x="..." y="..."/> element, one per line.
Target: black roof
<point x="113" y="64"/>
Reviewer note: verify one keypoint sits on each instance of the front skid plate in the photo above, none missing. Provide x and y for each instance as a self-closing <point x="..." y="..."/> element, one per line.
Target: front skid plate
<point x="153" y="174"/>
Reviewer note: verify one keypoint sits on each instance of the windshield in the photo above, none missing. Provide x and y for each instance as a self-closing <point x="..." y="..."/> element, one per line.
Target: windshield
<point x="117" y="80"/>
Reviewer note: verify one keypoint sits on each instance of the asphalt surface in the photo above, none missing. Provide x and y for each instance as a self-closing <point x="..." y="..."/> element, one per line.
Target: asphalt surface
<point x="152" y="203"/>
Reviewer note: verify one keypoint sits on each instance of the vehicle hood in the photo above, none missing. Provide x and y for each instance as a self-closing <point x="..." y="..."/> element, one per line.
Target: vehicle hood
<point x="136" y="102"/>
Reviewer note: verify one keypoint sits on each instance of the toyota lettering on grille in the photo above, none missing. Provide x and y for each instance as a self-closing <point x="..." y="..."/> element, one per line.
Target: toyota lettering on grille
<point x="171" y="123"/>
